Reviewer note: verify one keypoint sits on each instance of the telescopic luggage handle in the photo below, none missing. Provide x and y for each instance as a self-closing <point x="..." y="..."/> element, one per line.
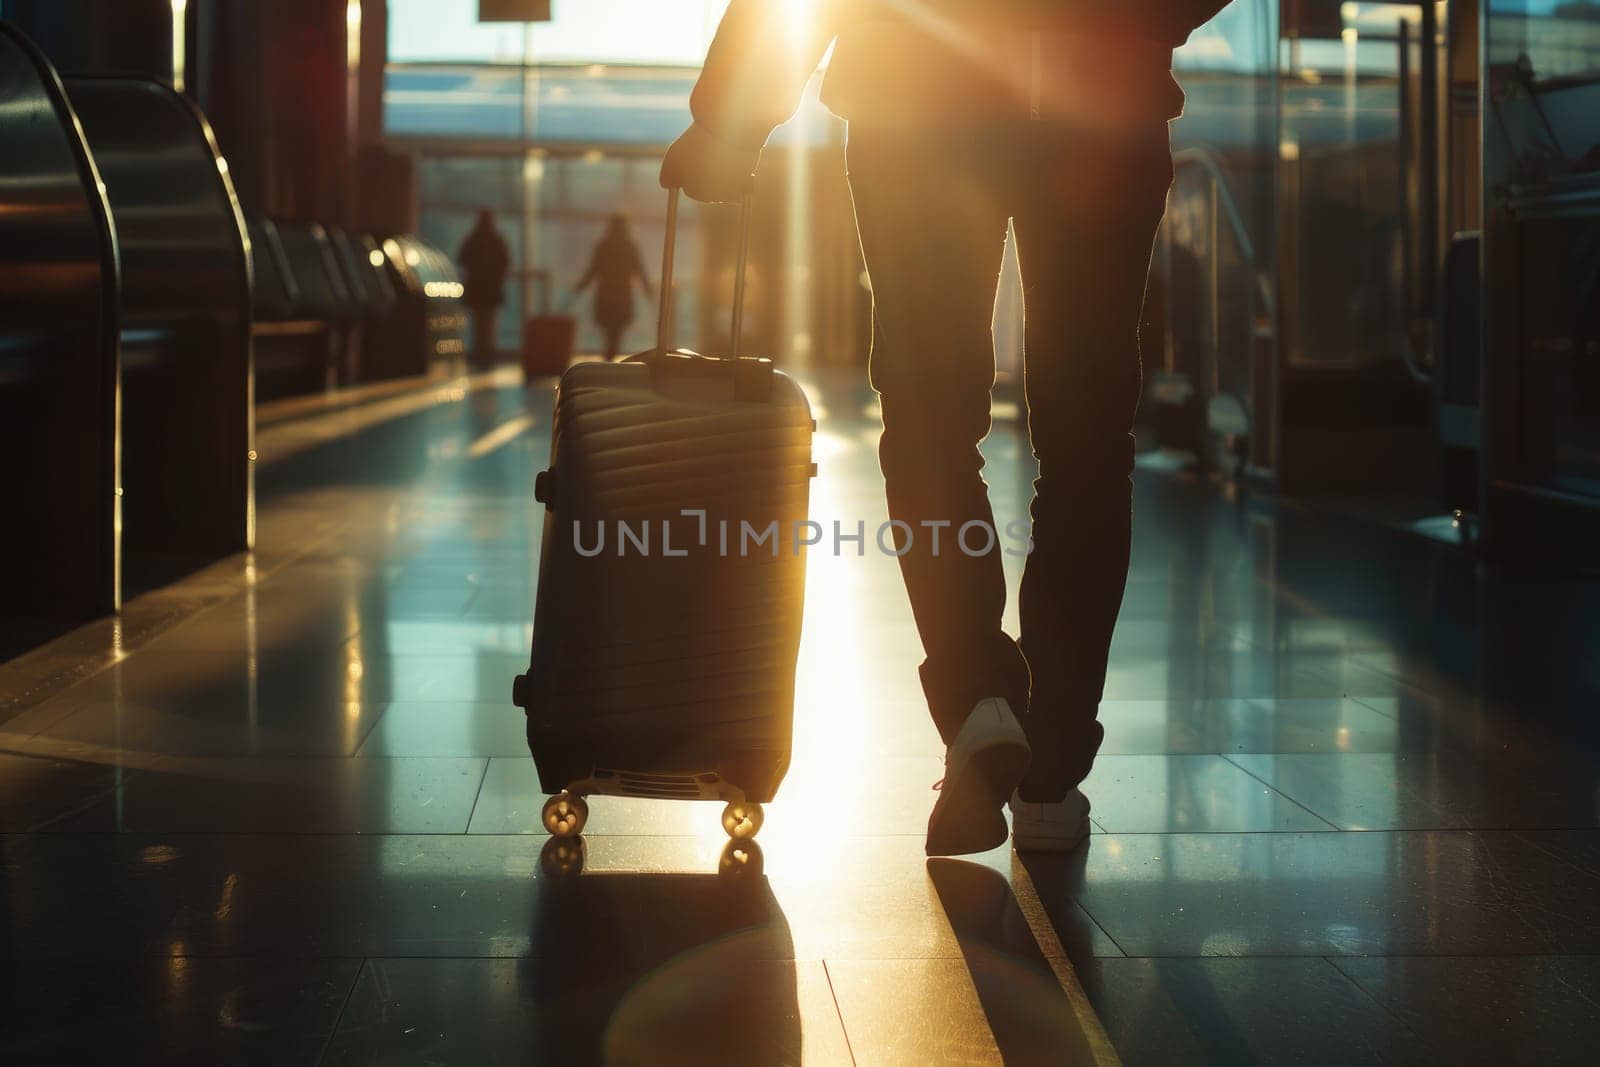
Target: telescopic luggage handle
<point x="664" y="320"/>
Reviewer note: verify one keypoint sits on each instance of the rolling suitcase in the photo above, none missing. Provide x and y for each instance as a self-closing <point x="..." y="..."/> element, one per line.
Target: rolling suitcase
<point x="671" y="578"/>
<point x="547" y="339"/>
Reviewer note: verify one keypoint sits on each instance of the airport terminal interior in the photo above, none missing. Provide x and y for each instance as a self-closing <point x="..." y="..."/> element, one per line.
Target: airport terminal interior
<point x="277" y="510"/>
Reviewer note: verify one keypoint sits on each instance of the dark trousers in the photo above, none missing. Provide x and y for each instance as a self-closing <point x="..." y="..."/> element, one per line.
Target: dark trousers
<point x="613" y="337"/>
<point x="932" y="214"/>
<point x="485" y="334"/>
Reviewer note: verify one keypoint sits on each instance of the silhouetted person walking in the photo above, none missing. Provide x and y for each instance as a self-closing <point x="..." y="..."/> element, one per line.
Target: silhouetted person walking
<point x="613" y="267"/>
<point x="964" y="114"/>
<point x="484" y="260"/>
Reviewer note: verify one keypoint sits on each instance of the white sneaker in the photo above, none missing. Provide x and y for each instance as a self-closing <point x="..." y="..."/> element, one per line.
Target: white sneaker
<point x="1058" y="827"/>
<point x="982" y="766"/>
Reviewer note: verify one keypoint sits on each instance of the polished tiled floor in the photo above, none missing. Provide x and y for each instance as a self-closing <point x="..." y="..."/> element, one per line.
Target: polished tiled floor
<point x="283" y="812"/>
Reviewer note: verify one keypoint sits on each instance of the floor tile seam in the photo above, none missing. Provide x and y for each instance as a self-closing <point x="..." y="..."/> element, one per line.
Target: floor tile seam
<point x="86" y="804"/>
<point x="383" y="709"/>
<point x="1563" y="859"/>
<point x="344" y="1005"/>
<point x="1077" y="902"/>
<point x="466" y="608"/>
<point x="1362" y="700"/>
<point x="1047" y="942"/>
<point x="484" y="777"/>
<point x="21" y="703"/>
<point x="1280" y="793"/>
<point x="838" y="1011"/>
<point x="1098" y="925"/>
<point x="1325" y="674"/>
<point x="1368" y="660"/>
<point x="1371" y="998"/>
<point x="1058" y="948"/>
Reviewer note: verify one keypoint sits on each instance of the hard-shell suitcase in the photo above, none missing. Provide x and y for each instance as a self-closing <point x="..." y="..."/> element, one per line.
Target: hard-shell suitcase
<point x="671" y="578"/>
<point x="547" y="339"/>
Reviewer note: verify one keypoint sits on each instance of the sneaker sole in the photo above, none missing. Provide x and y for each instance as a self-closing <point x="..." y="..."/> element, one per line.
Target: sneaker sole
<point x="969" y="815"/>
<point x="1028" y="842"/>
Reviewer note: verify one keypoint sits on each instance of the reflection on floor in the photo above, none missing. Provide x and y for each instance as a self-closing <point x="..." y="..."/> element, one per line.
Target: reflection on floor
<point x="283" y="811"/>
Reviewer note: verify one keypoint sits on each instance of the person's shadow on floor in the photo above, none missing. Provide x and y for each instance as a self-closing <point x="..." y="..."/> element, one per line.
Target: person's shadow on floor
<point x="660" y="968"/>
<point x="1029" y="1013"/>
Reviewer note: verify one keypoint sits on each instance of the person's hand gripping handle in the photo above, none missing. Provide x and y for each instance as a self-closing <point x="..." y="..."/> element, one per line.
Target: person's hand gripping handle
<point x="708" y="169"/>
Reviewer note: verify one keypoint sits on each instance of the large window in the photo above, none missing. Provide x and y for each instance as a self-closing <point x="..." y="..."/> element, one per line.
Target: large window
<point x="581" y="31"/>
<point x="551" y="210"/>
<point x="588" y="105"/>
<point x="554" y="127"/>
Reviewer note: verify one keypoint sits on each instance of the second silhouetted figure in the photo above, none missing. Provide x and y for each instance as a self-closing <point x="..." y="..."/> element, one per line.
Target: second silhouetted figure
<point x="614" y="266"/>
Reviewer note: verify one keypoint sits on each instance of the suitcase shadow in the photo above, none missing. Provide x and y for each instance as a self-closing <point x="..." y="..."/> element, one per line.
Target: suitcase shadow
<point x="632" y="967"/>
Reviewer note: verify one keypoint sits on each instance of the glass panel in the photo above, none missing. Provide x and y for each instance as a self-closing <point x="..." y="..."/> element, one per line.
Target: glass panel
<point x="570" y="201"/>
<point x="1544" y="68"/>
<point x="1549" y="40"/>
<point x="1209" y="286"/>
<point x="565" y="105"/>
<point x="458" y="102"/>
<point x="617" y="31"/>
<point x="1542" y="178"/>
<point x="592" y="184"/>
<point x="1343" y="213"/>
<point x="1559" y="350"/>
<point x="484" y="182"/>
<point x="610" y="105"/>
<point x="575" y="199"/>
<point x="564" y="142"/>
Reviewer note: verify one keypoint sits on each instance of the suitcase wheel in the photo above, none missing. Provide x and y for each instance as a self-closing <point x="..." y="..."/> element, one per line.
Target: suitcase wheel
<point x="741" y="860"/>
<point x="742" y="819"/>
<point x="563" y="856"/>
<point x="565" y="813"/>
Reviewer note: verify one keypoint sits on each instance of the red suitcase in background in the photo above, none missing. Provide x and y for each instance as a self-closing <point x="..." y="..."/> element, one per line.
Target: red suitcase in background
<point x="669" y="674"/>
<point x="546" y="339"/>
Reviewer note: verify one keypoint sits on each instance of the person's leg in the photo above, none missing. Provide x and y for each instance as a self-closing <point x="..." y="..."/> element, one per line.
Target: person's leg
<point x="932" y="228"/>
<point x="932" y="231"/>
<point x="483" y="335"/>
<point x="1085" y="228"/>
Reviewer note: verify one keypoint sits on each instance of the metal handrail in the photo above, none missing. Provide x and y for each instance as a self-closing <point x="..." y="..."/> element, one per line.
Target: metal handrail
<point x="1203" y="159"/>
